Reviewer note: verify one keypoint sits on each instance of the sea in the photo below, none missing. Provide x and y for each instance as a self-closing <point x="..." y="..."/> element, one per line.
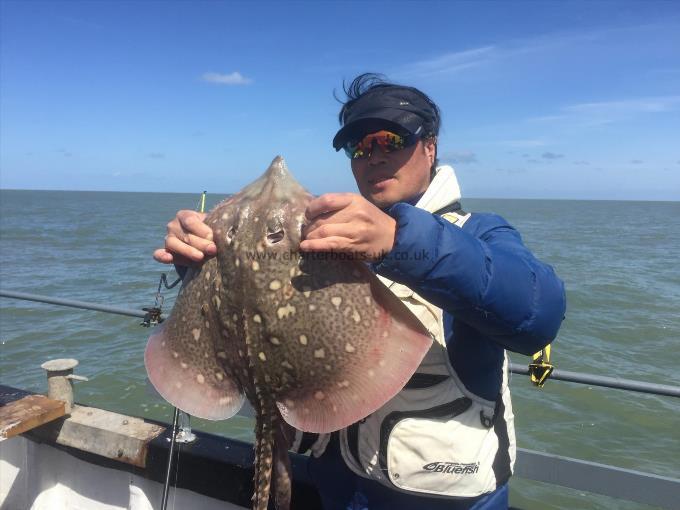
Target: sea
<point x="619" y="261"/>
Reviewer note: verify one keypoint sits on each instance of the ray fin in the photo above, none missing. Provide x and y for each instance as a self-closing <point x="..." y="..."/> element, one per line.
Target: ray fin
<point x="380" y="366"/>
<point x="181" y="359"/>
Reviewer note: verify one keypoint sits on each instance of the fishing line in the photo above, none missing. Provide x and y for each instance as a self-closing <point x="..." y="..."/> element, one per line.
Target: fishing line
<point x="174" y="495"/>
<point x="173" y="439"/>
<point x="153" y="313"/>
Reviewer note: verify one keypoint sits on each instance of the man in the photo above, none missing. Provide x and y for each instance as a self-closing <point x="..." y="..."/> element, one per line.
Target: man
<point x="446" y="441"/>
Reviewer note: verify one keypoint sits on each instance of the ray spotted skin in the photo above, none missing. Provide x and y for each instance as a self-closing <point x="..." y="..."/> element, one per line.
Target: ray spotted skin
<point x="314" y="342"/>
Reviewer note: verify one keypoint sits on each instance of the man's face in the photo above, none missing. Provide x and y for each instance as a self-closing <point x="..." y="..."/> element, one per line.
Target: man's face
<point x="386" y="178"/>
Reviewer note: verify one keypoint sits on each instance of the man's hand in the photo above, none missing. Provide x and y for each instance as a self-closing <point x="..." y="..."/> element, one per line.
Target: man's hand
<point x="348" y="223"/>
<point x="189" y="240"/>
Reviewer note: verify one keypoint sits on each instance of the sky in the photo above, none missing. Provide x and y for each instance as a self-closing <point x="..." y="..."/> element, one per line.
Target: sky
<point x="571" y="100"/>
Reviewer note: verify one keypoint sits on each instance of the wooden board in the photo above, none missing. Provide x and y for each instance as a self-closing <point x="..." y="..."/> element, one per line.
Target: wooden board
<point x="116" y="436"/>
<point x="27" y="413"/>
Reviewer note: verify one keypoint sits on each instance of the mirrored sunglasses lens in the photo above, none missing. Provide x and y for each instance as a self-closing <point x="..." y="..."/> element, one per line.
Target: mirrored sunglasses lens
<point x="390" y="142"/>
<point x="353" y="151"/>
<point x="386" y="140"/>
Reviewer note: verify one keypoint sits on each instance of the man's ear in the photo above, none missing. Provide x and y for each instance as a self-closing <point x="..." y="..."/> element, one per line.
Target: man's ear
<point x="430" y="147"/>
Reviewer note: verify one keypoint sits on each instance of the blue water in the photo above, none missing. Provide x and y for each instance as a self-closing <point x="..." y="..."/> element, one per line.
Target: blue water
<point x="618" y="259"/>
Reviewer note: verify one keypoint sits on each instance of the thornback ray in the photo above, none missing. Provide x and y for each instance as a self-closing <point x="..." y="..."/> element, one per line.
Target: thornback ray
<point x="313" y="341"/>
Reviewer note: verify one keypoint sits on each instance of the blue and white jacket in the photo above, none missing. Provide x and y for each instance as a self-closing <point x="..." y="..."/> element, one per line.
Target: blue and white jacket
<point x="479" y="291"/>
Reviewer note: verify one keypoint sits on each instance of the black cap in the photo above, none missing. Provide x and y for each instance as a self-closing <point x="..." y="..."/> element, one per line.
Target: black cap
<point x="401" y="109"/>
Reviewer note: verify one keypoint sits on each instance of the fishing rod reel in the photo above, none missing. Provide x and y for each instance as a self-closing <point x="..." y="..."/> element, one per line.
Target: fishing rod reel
<point x="153" y="313"/>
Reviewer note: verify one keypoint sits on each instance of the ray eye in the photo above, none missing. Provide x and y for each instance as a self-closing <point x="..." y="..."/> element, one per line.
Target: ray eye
<point x="230" y="234"/>
<point x="275" y="237"/>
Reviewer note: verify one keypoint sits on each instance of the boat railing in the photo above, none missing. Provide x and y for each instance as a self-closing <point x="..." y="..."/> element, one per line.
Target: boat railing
<point x="608" y="480"/>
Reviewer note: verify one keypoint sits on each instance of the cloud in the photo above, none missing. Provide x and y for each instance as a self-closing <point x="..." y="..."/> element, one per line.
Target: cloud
<point x="234" y="78"/>
<point x="671" y="72"/>
<point x="498" y="55"/>
<point x="607" y="112"/>
<point x="636" y="161"/>
<point x="502" y="53"/>
<point x="447" y="63"/>
<point x="551" y="155"/>
<point x="628" y="106"/>
<point x="451" y="63"/>
<point x="81" y="22"/>
<point x="463" y="157"/>
<point x="511" y="170"/>
<point x="524" y="143"/>
<point x="156" y="155"/>
<point x="300" y="132"/>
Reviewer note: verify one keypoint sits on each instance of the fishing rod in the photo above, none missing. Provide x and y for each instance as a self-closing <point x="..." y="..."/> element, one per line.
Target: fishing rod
<point x="557" y="374"/>
<point x="184" y="435"/>
<point x="171" y="453"/>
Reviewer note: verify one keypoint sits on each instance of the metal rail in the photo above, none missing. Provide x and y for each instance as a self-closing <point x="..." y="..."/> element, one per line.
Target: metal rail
<point x="72" y="303"/>
<point x="606" y="382"/>
<point x="559" y="375"/>
<point x="612" y="481"/>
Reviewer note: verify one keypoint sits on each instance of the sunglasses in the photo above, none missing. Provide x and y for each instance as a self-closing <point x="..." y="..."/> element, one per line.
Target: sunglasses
<point x="386" y="140"/>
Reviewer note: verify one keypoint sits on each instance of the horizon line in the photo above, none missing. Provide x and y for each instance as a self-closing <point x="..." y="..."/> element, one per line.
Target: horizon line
<point x="560" y="198"/>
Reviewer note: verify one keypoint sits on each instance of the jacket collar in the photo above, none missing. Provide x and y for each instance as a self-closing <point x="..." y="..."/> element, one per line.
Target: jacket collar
<point x="442" y="192"/>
